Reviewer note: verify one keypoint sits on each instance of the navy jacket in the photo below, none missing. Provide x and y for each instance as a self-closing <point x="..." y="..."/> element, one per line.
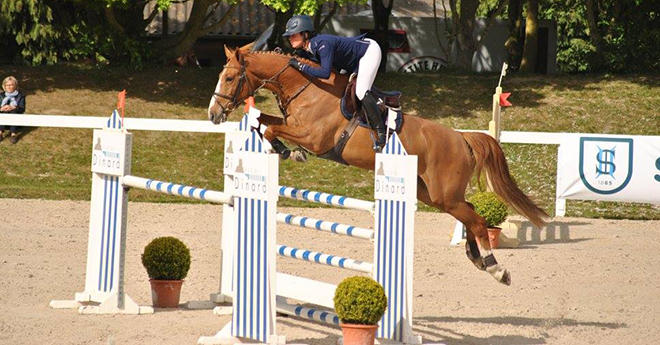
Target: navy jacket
<point x="20" y="100"/>
<point x="334" y="51"/>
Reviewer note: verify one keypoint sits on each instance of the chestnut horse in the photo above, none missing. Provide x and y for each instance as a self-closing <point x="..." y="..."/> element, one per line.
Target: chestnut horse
<point x="447" y="159"/>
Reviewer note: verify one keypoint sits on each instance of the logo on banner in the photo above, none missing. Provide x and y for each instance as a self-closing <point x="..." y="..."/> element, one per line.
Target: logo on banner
<point x="606" y="164"/>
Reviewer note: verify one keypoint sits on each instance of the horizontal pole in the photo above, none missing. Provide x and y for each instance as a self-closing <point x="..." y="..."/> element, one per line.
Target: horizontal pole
<point x="130" y="123"/>
<point x="326" y="259"/>
<point x="307" y="313"/>
<point x="204" y="126"/>
<point x="324" y="225"/>
<point x="326" y="199"/>
<point x="177" y="189"/>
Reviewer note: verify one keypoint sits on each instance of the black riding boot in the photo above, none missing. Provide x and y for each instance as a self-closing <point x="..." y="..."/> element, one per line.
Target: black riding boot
<point x="372" y="112"/>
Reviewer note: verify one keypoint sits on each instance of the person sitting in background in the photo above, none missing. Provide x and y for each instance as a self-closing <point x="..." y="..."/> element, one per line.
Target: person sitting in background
<point x="13" y="102"/>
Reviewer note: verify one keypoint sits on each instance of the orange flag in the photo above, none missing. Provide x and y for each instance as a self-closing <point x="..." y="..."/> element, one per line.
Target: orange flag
<point x="503" y="101"/>
<point x="249" y="102"/>
<point x="121" y="103"/>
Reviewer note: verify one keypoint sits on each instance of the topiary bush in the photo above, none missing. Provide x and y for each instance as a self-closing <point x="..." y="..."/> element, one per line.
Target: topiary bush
<point x="166" y="258"/>
<point x="360" y="300"/>
<point x="489" y="206"/>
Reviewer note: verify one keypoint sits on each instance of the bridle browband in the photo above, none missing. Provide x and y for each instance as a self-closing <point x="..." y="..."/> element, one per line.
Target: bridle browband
<point x="243" y="79"/>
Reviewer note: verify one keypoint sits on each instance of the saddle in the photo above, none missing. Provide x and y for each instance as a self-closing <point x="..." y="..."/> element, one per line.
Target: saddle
<point x="351" y="105"/>
<point x="351" y="108"/>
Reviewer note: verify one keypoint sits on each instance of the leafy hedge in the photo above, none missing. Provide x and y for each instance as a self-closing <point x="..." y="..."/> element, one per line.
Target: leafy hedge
<point x="360" y="300"/>
<point x="166" y="258"/>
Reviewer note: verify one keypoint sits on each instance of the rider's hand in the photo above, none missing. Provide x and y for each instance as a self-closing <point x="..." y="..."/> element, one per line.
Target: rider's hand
<point x="296" y="64"/>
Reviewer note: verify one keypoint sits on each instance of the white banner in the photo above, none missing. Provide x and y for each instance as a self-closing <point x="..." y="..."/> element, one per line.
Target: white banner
<point x="109" y="152"/>
<point x="608" y="167"/>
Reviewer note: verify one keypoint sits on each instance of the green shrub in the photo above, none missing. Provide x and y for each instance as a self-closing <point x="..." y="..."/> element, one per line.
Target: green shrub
<point x="360" y="300"/>
<point x="166" y="258"/>
<point x="489" y="206"/>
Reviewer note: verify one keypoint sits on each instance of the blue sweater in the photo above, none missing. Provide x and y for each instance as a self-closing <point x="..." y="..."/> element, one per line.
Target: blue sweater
<point x="334" y="51"/>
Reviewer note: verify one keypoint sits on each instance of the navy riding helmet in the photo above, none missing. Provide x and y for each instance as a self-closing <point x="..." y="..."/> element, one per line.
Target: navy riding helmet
<point x="298" y="23"/>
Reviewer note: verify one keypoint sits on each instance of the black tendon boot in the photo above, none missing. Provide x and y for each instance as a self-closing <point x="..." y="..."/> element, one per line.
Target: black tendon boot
<point x="373" y="115"/>
<point x="280" y="148"/>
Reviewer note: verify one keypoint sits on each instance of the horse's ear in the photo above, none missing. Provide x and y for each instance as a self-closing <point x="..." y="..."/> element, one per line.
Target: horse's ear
<point x="239" y="55"/>
<point x="228" y="51"/>
<point x="247" y="48"/>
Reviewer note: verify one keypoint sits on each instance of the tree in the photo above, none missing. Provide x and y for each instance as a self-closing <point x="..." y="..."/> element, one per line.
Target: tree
<point x="285" y="9"/>
<point x="514" y="44"/>
<point x="382" y="15"/>
<point x="530" y="51"/>
<point x="126" y="17"/>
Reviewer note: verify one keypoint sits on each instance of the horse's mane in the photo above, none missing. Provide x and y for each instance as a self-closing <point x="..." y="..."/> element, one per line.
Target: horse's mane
<point x="286" y="56"/>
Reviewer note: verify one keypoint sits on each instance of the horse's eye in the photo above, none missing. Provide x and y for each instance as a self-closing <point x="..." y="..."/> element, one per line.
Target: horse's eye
<point x="229" y="79"/>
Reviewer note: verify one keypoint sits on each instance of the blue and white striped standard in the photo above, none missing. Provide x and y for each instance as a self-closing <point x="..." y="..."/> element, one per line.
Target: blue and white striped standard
<point x="326" y="199"/>
<point x="326" y="259"/>
<point x="394" y="238"/>
<point x="308" y="313"/>
<point x="254" y="243"/>
<point x="177" y="189"/>
<point x="323" y="225"/>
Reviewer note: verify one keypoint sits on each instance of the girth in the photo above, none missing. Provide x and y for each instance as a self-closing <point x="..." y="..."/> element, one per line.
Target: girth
<point x="334" y="154"/>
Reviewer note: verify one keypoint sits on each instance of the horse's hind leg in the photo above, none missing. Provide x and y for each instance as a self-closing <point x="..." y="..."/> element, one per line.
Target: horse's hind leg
<point x="476" y="226"/>
<point x="471" y="247"/>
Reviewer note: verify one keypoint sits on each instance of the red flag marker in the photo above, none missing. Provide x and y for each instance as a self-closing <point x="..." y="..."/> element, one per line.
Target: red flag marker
<point x="121" y="104"/>
<point x="503" y="101"/>
<point x="249" y="102"/>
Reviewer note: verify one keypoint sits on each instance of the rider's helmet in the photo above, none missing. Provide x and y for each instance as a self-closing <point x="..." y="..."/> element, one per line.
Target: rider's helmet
<point x="299" y="23"/>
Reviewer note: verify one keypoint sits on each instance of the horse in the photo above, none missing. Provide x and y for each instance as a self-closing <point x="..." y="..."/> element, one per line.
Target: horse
<point x="447" y="159"/>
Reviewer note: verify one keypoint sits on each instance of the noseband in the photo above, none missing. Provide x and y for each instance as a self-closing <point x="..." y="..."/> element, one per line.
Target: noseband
<point x="242" y="80"/>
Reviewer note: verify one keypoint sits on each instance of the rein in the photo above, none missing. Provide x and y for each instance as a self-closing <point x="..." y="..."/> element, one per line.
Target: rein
<point x="243" y="79"/>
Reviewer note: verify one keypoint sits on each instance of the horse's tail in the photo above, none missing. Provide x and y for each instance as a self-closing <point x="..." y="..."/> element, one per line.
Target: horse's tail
<point x="488" y="153"/>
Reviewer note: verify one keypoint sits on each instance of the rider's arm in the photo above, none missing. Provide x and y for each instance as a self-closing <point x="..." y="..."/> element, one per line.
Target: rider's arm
<point x="326" y="55"/>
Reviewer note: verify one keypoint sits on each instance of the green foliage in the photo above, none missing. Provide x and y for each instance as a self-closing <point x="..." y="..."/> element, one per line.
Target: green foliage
<point x="166" y="258"/>
<point x="489" y="206"/>
<point x="630" y="31"/>
<point x="360" y="300"/>
<point x="308" y="7"/>
<point x="31" y="24"/>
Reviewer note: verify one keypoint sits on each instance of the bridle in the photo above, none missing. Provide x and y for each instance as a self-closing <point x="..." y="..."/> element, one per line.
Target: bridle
<point x="244" y="80"/>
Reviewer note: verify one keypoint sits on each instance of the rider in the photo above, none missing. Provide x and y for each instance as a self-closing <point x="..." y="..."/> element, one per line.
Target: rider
<point x="352" y="54"/>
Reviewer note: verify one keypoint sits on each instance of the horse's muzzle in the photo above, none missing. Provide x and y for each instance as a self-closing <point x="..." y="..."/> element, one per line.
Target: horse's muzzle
<point x="218" y="118"/>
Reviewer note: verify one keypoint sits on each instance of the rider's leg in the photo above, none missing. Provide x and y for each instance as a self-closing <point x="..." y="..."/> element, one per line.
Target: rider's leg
<point x="368" y="68"/>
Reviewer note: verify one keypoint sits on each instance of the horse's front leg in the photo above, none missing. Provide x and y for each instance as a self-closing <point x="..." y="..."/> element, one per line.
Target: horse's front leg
<point x="280" y="148"/>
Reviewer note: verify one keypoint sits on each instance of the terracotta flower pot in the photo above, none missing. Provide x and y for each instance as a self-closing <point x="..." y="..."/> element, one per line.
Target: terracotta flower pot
<point x="165" y="293"/>
<point x="359" y="334"/>
<point x="494" y="237"/>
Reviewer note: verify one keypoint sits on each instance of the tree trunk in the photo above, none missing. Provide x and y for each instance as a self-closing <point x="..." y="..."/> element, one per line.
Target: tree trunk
<point x="466" y="40"/>
<point x="530" y="51"/>
<point x="279" y="26"/>
<point x="594" y="33"/>
<point x="381" y="28"/>
<point x="514" y="44"/>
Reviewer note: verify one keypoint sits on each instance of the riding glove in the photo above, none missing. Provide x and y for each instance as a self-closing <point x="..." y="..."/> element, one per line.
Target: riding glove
<point x="296" y="64"/>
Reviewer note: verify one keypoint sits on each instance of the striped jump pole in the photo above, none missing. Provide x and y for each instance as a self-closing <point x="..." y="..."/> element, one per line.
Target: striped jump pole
<point x="177" y="189"/>
<point x="326" y="199"/>
<point x="323" y="225"/>
<point x="312" y="314"/>
<point x="325" y="259"/>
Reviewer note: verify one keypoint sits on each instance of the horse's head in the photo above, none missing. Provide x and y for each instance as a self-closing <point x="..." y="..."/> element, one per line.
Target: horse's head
<point x="233" y="87"/>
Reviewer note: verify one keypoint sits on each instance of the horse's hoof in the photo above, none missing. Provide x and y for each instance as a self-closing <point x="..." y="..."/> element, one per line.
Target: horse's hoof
<point x="500" y="274"/>
<point x="298" y="156"/>
<point x="506" y="278"/>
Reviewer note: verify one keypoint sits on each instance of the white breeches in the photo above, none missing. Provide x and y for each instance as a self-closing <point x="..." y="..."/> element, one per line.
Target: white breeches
<point x="368" y="68"/>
